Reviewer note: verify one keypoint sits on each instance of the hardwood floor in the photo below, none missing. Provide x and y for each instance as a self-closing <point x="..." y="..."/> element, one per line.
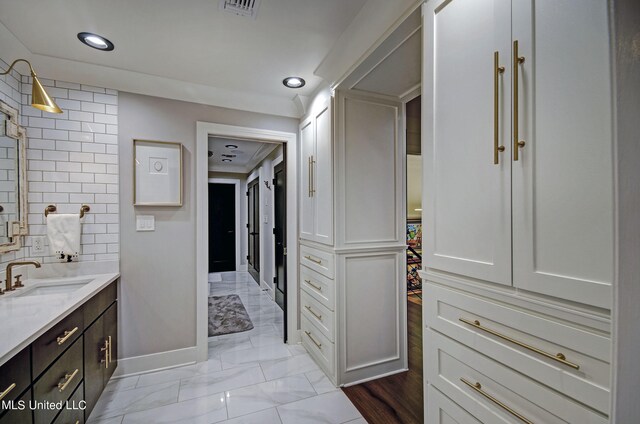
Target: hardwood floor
<point x="397" y="398"/>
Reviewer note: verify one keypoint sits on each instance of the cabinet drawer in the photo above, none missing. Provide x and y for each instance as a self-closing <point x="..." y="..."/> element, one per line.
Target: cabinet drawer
<point x="100" y="302"/>
<point x="319" y="315"/>
<point x="72" y="413"/>
<point x="318" y="260"/>
<point x="320" y="287"/>
<point x="58" y="382"/>
<point x="52" y="343"/>
<point x="15" y="376"/>
<point x="17" y="415"/>
<point x="456" y="370"/>
<point x="444" y="308"/>
<point x="442" y="410"/>
<point x="318" y="346"/>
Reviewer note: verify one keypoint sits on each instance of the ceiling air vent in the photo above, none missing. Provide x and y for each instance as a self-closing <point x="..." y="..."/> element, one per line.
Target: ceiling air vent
<point x="248" y="8"/>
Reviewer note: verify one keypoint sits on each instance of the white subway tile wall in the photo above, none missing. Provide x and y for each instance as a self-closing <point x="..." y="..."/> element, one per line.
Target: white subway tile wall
<point x="69" y="157"/>
<point x="72" y="159"/>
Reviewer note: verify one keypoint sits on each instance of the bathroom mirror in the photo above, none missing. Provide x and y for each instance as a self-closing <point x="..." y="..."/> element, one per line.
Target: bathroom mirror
<point x="13" y="184"/>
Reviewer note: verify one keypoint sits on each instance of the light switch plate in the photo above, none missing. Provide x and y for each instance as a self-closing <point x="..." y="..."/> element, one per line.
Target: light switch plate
<point x="145" y="223"/>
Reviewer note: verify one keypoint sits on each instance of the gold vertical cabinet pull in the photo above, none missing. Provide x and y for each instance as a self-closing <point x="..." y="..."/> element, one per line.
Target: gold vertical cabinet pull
<point x="497" y="70"/>
<point x="478" y="388"/>
<point x="110" y="354"/>
<point x="517" y="60"/>
<point x="66" y="336"/>
<point x="67" y="379"/>
<point x="318" y="261"/>
<point x="6" y="391"/>
<point x="313" y="340"/>
<point x="313" y="176"/>
<point x="309" y="175"/>
<point x="107" y="353"/>
<point x="319" y="288"/>
<point x="559" y="357"/>
<point x="313" y="312"/>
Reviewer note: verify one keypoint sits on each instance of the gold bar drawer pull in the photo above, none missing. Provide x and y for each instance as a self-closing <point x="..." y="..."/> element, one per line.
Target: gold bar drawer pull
<point x="559" y="357"/>
<point x="66" y="336"/>
<point x="67" y="379"/>
<point x="478" y="388"/>
<point x="319" y="288"/>
<point x="313" y="340"/>
<point x="7" y="390"/>
<point x="313" y="313"/>
<point x="312" y="259"/>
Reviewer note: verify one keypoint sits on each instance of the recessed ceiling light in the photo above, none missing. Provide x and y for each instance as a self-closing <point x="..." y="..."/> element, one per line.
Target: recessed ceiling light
<point x="226" y="160"/>
<point x="231" y="146"/>
<point x="293" y="82"/>
<point x="95" y="41"/>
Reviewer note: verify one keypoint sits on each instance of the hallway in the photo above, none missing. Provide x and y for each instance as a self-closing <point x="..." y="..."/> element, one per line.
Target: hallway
<point x="250" y="377"/>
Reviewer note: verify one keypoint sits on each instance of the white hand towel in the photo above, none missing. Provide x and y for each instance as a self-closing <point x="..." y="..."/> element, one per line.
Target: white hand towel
<point x="63" y="231"/>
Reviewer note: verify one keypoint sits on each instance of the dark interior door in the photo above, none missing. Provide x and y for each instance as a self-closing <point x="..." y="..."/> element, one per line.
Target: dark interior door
<point x="253" y="207"/>
<point x="280" y="226"/>
<point x="222" y="227"/>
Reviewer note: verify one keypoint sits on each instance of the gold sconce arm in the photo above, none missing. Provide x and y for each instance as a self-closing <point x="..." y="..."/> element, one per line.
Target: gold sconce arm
<point x="40" y="99"/>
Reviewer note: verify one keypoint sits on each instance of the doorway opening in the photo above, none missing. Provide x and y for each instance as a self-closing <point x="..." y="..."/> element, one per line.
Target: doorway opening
<point x="248" y="207"/>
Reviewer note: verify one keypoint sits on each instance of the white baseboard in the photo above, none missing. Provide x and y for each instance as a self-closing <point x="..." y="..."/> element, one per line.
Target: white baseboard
<point x="266" y="287"/>
<point x="155" y="362"/>
<point x="375" y="377"/>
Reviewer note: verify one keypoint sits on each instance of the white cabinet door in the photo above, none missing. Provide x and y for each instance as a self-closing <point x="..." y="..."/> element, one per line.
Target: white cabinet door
<point x="563" y="181"/>
<point x="323" y="175"/>
<point x="467" y="198"/>
<point x="307" y="141"/>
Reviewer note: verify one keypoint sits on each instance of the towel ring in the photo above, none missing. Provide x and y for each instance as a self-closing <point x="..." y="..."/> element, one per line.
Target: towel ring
<point x="49" y="209"/>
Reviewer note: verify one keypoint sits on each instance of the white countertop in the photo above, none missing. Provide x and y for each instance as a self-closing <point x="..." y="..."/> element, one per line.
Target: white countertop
<point x="24" y="318"/>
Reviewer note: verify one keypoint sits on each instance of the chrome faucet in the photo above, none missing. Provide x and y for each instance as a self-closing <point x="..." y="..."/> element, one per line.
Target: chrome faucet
<point x="9" y="283"/>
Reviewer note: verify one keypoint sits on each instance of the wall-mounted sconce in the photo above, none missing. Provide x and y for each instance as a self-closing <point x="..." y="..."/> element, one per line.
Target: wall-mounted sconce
<point x="39" y="97"/>
<point x="266" y="184"/>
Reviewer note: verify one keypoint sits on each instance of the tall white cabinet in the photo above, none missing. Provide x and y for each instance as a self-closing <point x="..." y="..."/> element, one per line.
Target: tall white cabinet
<point x="352" y="243"/>
<point x="518" y="210"/>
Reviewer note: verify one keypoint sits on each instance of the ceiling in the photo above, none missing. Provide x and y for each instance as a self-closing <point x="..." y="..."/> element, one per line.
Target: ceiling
<point x="248" y="154"/>
<point x="191" y="41"/>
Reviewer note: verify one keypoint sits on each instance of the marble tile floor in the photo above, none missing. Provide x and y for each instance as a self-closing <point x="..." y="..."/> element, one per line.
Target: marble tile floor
<point x="250" y="377"/>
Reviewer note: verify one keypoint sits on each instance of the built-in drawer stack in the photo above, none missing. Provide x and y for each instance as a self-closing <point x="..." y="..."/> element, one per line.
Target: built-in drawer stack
<point x="318" y="305"/>
<point x="503" y="362"/>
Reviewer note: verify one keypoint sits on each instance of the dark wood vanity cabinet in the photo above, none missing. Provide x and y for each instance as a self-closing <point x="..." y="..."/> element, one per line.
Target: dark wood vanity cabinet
<point x="71" y="363"/>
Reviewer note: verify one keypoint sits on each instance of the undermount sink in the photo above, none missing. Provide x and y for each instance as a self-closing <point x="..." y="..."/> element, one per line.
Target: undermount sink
<point x="45" y="288"/>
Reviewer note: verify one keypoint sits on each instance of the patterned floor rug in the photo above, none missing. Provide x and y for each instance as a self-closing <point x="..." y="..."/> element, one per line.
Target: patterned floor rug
<point x="227" y="315"/>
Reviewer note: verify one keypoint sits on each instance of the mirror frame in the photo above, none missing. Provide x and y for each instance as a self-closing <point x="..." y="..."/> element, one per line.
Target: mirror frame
<point x="16" y="229"/>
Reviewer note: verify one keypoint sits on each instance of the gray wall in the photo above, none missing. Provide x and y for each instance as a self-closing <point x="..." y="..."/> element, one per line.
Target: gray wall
<point x="158" y="284"/>
<point x="626" y="19"/>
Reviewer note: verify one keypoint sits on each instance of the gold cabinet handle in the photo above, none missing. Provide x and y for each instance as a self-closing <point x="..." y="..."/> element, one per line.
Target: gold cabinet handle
<point x="66" y="336"/>
<point x="110" y="355"/>
<point x="7" y="390"/>
<point x="309" y="175"/>
<point x="478" y="388"/>
<point x="497" y="70"/>
<point x="106" y="349"/>
<point x="317" y="343"/>
<point x="319" y="288"/>
<point x="559" y="357"/>
<point x="517" y="60"/>
<point x="313" y="313"/>
<point x="67" y="379"/>
<point x="313" y="176"/>
<point x="318" y="261"/>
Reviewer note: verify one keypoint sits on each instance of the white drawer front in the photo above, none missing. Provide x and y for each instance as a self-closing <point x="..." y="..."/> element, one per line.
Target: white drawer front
<point x="442" y="410"/>
<point x="318" y="260"/>
<point x="320" y="287"/>
<point x="319" y="315"/>
<point x="451" y="364"/>
<point x="444" y="308"/>
<point x="318" y="346"/>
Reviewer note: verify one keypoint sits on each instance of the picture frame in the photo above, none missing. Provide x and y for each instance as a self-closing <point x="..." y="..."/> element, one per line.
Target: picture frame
<point x="157" y="173"/>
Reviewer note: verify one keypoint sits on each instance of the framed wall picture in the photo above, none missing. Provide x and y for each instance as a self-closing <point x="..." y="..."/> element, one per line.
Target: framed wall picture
<point x="157" y="173"/>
